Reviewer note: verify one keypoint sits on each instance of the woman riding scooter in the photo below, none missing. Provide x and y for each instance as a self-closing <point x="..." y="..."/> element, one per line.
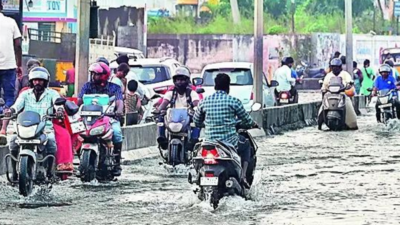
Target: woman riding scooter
<point x="337" y="71"/>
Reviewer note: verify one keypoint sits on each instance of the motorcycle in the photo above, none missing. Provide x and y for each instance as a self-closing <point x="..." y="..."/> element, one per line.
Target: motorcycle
<point x="385" y="100"/>
<point x="97" y="159"/>
<point x="178" y="133"/>
<point x="305" y="70"/>
<point x="217" y="168"/>
<point x="32" y="162"/>
<point x="285" y="97"/>
<point x="334" y="105"/>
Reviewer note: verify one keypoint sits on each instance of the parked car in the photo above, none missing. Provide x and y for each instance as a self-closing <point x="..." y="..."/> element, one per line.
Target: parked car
<point x="241" y="74"/>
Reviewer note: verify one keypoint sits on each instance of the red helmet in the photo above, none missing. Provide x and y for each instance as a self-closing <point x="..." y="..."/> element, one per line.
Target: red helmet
<point x="102" y="69"/>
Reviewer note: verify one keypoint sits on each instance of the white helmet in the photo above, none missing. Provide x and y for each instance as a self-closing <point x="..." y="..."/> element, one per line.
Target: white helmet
<point x="385" y="68"/>
<point x="39" y="73"/>
<point x="182" y="71"/>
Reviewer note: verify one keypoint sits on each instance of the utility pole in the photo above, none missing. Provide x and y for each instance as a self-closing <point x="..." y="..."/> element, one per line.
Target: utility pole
<point x="258" y="54"/>
<point x="349" y="35"/>
<point x="82" y="45"/>
<point x="235" y="11"/>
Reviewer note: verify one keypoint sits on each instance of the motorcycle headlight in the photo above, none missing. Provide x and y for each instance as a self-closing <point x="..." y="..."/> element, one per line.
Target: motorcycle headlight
<point x="384" y="100"/>
<point x="175" y="127"/>
<point x="26" y="132"/>
<point x="97" y="131"/>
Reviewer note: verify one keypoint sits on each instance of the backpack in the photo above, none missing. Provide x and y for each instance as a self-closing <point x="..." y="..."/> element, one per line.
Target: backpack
<point x="175" y="95"/>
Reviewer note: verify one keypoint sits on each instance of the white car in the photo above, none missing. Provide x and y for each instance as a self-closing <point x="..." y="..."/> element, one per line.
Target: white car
<point x="241" y="74"/>
<point x="155" y="74"/>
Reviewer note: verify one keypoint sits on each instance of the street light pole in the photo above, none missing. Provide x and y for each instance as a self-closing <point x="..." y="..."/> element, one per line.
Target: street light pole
<point x="258" y="51"/>
<point x="258" y="56"/>
<point x="349" y="35"/>
<point x="82" y="45"/>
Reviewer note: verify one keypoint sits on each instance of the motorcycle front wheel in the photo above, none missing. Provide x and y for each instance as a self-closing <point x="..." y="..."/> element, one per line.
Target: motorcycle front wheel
<point x="87" y="166"/>
<point x="26" y="175"/>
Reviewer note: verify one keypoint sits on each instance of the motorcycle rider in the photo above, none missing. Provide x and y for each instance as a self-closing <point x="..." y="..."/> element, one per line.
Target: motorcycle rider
<point x="385" y="81"/>
<point x="393" y="71"/>
<point x="219" y="112"/>
<point x="336" y="70"/>
<point x="284" y="76"/>
<point x="37" y="99"/>
<point x="99" y="84"/>
<point x="182" y="96"/>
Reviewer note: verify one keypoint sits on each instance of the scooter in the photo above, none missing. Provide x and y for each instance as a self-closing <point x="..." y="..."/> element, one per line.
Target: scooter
<point x="218" y="168"/>
<point x="33" y="164"/>
<point x="334" y="105"/>
<point x="97" y="159"/>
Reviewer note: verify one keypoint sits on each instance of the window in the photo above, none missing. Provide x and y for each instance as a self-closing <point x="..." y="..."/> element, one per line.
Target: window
<point x="150" y="74"/>
<point x="239" y="76"/>
<point x="46" y="31"/>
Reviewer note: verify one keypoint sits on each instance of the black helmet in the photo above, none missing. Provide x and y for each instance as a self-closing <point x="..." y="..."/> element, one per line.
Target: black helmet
<point x="389" y="62"/>
<point x="287" y="60"/>
<point x="336" y="62"/>
<point x="103" y="60"/>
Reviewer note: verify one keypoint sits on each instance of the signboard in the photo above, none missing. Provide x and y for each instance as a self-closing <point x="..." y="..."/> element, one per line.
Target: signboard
<point x="396" y="9"/>
<point x="11" y="5"/>
<point x="47" y="6"/>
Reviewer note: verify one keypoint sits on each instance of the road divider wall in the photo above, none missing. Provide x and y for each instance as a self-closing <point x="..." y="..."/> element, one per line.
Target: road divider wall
<point x="295" y="116"/>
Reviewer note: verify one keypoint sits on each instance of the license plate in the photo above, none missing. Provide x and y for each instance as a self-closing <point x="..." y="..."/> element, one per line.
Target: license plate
<point x="34" y="141"/>
<point x="88" y="113"/>
<point x="209" y="181"/>
<point x="385" y="105"/>
<point x="78" y="127"/>
<point x="284" y="100"/>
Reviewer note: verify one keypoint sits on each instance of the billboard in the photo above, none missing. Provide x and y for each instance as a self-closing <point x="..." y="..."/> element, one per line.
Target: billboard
<point x="11" y="5"/>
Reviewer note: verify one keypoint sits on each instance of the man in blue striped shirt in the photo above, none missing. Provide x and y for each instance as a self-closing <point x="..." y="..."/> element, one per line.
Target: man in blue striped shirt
<point x="219" y="113"/>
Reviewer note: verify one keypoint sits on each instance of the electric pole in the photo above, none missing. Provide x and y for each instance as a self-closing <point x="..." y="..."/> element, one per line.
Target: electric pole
<point x="349" y="35"/>
<point x="258" y="54"/>
<point x="82" y="45"/>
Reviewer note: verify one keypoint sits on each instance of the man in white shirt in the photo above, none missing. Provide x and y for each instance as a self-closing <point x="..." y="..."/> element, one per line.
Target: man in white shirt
<point x="284" y="77"/>
<point x="10" y="56"/>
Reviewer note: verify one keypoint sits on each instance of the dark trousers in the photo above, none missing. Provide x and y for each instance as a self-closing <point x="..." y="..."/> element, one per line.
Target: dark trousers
<point x="7" y="82"/>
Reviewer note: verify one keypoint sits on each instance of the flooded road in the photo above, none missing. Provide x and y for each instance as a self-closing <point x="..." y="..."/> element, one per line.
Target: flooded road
<point x="303" y="177"/>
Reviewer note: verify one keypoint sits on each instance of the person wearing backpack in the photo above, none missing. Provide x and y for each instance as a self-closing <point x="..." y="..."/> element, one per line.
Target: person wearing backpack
<point x="182" y="96"/>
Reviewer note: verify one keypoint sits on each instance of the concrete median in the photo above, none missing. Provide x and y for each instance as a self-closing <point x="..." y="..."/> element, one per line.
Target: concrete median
<point x="290" y="117"/>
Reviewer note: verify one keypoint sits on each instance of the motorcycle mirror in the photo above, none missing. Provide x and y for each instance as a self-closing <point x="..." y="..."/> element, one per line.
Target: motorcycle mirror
<point x="256" y="107"/>
<point x="60" y="101"/>
<point x="155" y="96"/>
<point x="274" y="83"/>
<point x="197" y="81"/>
<point x="200" y="90"/>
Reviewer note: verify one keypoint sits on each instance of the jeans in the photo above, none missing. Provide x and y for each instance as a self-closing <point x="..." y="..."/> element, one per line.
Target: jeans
<point x="244" y="149"/>
<point x="7" y="82"/>
<point x="117" y="135"/>
<point x="51" y="146"/>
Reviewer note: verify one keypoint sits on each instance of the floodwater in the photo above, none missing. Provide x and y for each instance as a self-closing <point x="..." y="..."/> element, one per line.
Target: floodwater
<point x="303" y="177"/>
